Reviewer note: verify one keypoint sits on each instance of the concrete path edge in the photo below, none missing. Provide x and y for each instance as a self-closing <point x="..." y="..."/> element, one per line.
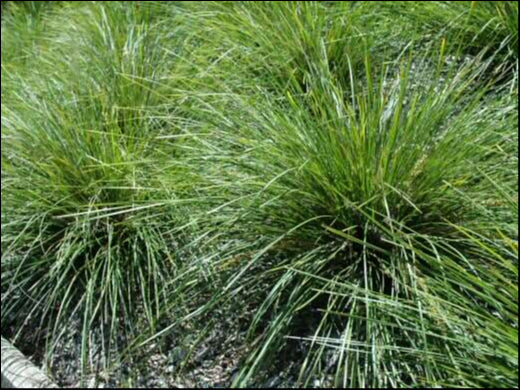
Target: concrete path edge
<point x="19" y="373"/>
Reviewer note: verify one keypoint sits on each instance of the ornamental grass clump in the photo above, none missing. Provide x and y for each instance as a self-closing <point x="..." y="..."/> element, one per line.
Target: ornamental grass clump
<point x="319" y="187"/>
<point x="86" y="218"/>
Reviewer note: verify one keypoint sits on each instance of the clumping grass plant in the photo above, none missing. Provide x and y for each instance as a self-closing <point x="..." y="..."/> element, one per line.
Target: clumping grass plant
<point x="319" y="185"/>
<point x="333" y="188"/>
<point x="85" y="216"/>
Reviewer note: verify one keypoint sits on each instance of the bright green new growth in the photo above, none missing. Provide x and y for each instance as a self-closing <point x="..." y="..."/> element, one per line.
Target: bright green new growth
<point x="345" y="179"/>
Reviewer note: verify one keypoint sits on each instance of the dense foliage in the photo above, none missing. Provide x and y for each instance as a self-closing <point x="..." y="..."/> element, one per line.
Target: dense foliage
<point x="342" y="174"/>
